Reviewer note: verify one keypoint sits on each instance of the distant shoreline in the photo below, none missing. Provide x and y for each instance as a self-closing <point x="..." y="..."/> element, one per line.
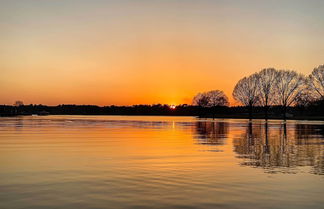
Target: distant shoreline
<point x="315" y="112"/>
<point x="310" y="118"/>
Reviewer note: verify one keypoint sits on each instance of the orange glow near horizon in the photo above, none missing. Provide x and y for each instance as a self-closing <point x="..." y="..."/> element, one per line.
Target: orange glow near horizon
<point x="143" y="52"/>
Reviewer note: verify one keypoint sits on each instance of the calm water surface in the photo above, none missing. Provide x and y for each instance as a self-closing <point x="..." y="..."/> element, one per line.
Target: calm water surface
<point x="159" y="162"/>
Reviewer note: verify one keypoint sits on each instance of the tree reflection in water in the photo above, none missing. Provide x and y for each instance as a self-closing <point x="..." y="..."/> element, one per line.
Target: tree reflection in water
<point x="211" y="133"/>
<point x="281" y="148"/>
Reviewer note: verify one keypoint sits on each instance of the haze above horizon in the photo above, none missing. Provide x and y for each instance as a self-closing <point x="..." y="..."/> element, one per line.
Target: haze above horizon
<point x="145" y="52"/>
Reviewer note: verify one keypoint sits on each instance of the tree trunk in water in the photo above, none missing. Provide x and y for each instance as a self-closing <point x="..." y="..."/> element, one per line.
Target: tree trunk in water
<point x="266" y="144"/>
<point x="266" y="112"/>
<point x="284" y="112"/>
<point x="250" y="136"/>
<point x="250" y="112"/>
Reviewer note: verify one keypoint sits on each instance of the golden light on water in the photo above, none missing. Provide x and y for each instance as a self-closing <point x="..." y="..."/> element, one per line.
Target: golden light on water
<point x="154" y="160"/>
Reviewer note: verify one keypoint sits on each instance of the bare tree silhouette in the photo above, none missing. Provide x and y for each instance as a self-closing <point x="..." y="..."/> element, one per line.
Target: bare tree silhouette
<point x="305" y="97"/>
<point x="289" y="86"/>
<point x="267" y="84"/>
<point x="211" y="99"/>
<point x="316" y="81"/>
<point x="201" y="99"/>
<point x="246" y="92"/>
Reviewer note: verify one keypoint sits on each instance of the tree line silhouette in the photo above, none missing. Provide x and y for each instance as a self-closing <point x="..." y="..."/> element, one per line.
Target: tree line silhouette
<point x="269" y="93"/>
<point x="269" y="88"/>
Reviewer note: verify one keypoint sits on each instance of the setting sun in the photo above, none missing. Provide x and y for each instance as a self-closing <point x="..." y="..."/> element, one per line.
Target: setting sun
<point x="172" y="106"/>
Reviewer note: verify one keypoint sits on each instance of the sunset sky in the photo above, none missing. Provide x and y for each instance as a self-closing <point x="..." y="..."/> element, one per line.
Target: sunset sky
<point x="149" y="51"/>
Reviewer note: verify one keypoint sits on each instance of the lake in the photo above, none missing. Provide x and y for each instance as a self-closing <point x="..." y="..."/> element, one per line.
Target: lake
<point x="148" y="162"/>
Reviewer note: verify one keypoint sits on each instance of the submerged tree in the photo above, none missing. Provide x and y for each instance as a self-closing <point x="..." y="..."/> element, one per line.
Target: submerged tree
<point x="316" y="82"/>
<point x="246" y="92"/>
<point x="217" y="98"/>
<point x="289" y="87"/>
<point x="211" y="99"/>
<point x="267" y="84"/>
